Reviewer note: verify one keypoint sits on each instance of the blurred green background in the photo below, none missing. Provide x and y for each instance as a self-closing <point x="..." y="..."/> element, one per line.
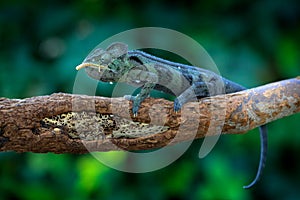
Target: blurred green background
<point x="252" y="43"/>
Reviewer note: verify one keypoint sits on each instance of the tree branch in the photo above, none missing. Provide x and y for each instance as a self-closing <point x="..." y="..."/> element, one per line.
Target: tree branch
<point x="48" y="123"/>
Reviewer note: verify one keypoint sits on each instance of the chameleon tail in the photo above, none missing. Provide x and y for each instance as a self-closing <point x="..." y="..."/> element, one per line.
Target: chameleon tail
<point x="263" y="155"/>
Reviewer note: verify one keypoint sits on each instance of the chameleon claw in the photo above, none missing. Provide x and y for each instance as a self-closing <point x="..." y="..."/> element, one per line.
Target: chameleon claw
<point x="135" y="111"/>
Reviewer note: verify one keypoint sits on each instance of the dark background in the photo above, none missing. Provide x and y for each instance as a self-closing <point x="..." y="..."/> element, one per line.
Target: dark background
<point x="252" y="43"/>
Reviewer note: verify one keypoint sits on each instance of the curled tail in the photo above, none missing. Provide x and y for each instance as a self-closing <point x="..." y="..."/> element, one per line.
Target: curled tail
<point x="263" y="155"/>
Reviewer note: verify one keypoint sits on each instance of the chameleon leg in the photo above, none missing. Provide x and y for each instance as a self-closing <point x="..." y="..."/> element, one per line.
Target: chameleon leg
<point x="140" y="77"/>
<point x="191" y="94"/>
<point x="137" y="100"/>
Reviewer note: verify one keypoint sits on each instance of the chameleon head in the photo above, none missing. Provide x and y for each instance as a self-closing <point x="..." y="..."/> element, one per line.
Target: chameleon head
<point x="94" y="70"/>
<point x="104" y="65"/>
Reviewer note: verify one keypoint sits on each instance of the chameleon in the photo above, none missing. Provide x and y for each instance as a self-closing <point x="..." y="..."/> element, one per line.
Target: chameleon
<point x="140" y="69"/>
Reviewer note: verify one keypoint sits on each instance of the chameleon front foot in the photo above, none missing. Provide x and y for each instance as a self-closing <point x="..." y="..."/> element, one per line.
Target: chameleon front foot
<point x="136" y="103"/>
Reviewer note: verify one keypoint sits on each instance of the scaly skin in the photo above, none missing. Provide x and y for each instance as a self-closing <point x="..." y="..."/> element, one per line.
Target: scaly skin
<point x="139" y="69"/>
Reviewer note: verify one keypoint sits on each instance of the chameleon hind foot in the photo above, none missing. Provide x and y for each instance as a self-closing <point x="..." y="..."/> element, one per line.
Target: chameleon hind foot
<point x="177" y="105"/>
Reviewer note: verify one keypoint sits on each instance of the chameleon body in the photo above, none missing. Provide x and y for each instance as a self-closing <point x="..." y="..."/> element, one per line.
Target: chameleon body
<point x="139" y="69"/>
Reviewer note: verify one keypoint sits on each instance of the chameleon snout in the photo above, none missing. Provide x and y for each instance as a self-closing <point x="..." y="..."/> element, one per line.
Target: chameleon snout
<point x="93" y="65"/>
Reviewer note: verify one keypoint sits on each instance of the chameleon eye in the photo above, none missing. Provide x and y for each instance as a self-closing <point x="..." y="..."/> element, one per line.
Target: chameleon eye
<point x="105" y="58"/>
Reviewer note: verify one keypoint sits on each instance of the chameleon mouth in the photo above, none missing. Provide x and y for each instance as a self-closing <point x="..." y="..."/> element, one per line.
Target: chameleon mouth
<point x="93" y="65"/>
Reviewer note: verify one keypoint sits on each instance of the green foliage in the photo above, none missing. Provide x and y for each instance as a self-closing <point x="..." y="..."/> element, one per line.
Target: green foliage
<point x="252" y="42"/>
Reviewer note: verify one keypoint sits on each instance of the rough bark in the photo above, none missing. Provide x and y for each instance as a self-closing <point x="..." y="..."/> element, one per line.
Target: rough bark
<point x="21" y="129"/>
